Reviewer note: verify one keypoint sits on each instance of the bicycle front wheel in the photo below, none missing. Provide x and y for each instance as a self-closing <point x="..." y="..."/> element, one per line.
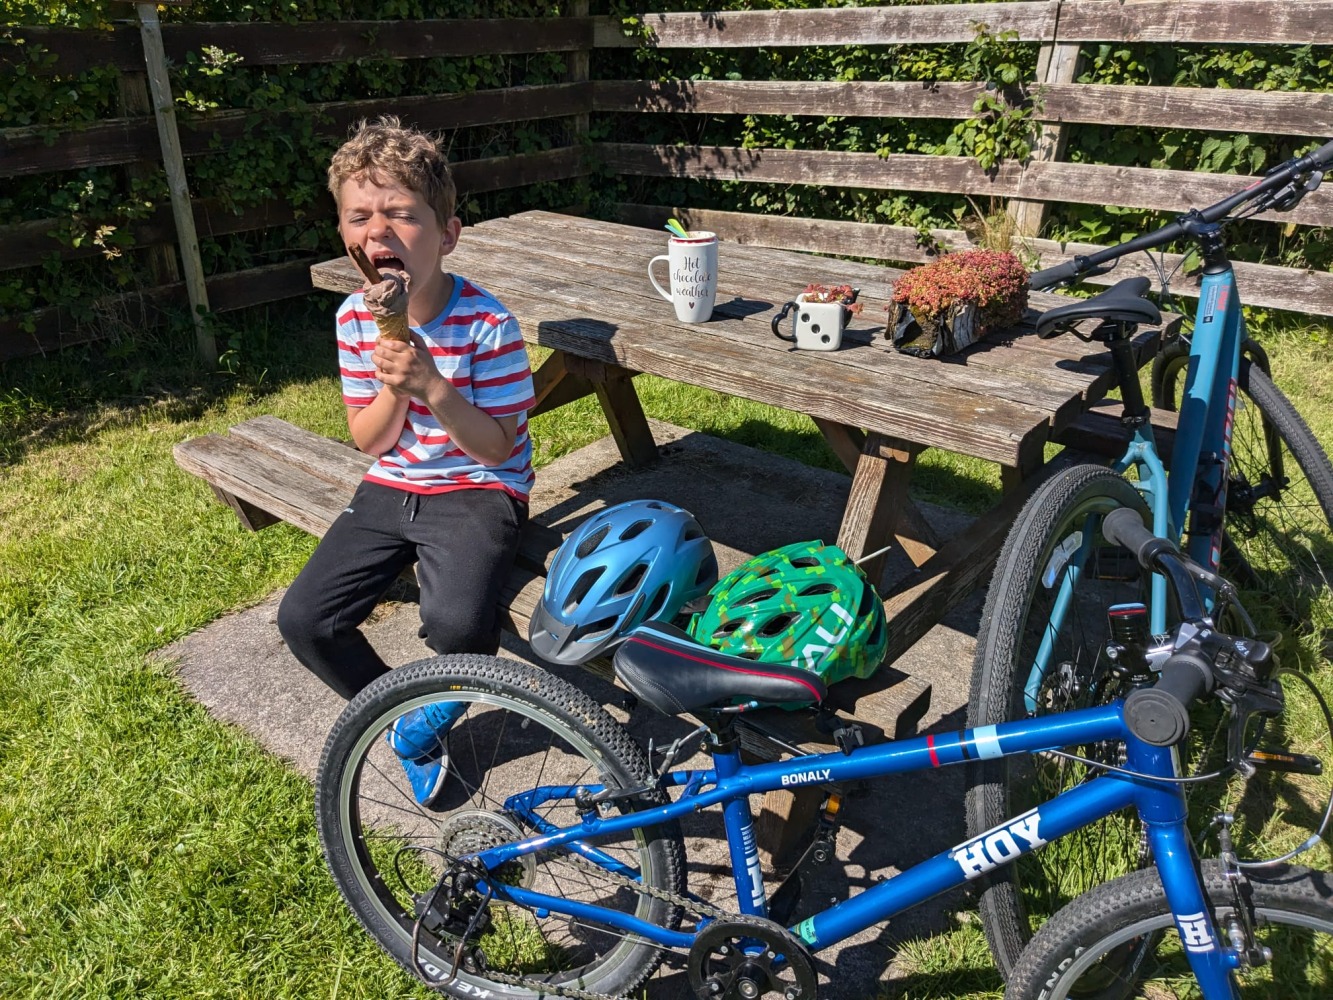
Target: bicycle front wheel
<point x="1080" y="952"/>
<point x="524" y="742"/>
<point x="1041" y="649"/>
<point x="1278" y="532"/>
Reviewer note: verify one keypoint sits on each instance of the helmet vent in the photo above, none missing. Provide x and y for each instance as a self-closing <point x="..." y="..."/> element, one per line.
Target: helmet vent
<point x="805" y="562"/>
<point x="822" y="587"/>
<point x="595" y="630"/>
<point x="636" y="529"/>
<point x="776" y="625"/>
<point x="658" y="603"/>
<point x="631" y="580"/>
<point x="758" y="597"/>
<point x="868" y="599"/>
<point x="589" y="545"/>
<point x="581" y="587"/>
<point x="726" y="628"/>
<point x="692" y="531"/>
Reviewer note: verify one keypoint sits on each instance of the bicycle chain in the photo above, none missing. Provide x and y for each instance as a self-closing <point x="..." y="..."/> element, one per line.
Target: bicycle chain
<point x="694" y="906"/>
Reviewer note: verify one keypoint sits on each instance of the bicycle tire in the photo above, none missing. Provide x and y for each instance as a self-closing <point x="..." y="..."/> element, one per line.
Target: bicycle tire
<point x="1016" y="899"/>
<point x="523" y="728"/>
<point x="1278" y="528"/>
<point x="1065" y="959"/>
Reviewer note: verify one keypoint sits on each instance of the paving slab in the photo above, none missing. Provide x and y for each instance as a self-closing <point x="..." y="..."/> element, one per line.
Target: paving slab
<point x="747" y="501"/>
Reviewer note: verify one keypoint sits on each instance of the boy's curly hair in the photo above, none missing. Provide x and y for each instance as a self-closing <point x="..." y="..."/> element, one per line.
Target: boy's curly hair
<point x="384" y="150"/>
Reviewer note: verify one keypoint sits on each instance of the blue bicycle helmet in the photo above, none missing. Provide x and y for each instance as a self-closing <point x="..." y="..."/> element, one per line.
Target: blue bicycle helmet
<point x="634" y="562"/>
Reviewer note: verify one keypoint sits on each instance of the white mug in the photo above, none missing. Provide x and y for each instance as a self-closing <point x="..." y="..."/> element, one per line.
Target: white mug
<point x="692" y="264"/>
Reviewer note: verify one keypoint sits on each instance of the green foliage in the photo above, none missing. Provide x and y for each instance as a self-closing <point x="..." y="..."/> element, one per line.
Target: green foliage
<point x="1000" y="129"/>
<point x="280" y="157"/>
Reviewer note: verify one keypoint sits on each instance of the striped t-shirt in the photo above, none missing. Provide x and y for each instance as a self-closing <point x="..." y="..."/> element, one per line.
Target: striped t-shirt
<point x="477" y="346"/>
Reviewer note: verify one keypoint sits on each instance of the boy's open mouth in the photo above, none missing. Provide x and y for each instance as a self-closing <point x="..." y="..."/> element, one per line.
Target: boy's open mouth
<point x="383" y="261"/>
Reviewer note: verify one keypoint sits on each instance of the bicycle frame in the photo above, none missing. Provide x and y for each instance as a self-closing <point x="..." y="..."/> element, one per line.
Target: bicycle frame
<point x="1207" y="411"/>
<point x="1161" y="806"/>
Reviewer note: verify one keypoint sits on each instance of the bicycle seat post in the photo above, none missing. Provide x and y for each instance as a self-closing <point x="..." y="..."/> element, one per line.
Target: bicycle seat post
<point x="1136" y="412"/>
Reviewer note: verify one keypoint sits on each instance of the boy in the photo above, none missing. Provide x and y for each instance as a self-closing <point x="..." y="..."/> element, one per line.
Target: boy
<point x="445" y="416"/>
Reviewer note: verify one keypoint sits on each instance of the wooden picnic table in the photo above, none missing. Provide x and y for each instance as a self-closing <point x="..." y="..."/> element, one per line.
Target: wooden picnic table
<point x="580" y="287"/>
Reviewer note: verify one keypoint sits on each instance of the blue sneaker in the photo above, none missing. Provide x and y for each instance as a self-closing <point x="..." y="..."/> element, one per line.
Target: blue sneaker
<point x="420" y="739"/>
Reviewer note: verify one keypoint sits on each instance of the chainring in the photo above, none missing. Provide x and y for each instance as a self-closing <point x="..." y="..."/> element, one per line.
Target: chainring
<point x="744" y="957"/>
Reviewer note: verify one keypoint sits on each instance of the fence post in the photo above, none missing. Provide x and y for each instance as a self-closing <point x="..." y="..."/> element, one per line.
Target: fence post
<point x="164" y="109"/>
<point x="1057" y="62"/>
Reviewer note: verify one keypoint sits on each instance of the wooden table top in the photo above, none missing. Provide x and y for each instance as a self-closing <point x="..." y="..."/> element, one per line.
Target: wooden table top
<point x="581" y="286"/>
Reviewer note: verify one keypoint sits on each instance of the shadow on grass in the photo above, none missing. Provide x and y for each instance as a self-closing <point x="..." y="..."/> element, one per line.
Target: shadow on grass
<point x="68" y="395"/>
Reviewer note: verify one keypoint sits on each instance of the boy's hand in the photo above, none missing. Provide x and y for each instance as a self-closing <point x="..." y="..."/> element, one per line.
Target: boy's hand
<point x="407" y="369"/>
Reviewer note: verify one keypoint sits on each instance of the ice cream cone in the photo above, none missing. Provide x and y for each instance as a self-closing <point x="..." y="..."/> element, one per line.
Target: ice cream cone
<point x="387" y="302"/>
<point x="394" y="327"/>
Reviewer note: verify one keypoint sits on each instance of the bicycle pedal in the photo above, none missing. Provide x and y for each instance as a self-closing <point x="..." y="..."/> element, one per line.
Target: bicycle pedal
<point x="1287" y="763"/>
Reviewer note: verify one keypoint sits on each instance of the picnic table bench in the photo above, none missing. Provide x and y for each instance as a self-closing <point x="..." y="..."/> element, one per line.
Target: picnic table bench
<point x="578" y="287"/>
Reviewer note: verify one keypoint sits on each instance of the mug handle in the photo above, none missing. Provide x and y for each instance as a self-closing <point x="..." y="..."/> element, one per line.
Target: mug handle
<point x="660" y="290"/>
<point x="777" y="332"/>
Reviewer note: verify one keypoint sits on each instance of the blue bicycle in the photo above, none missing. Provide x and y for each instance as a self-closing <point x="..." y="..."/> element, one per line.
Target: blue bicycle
<point x="555" y="866"/>
<point x="1243" y="481"/>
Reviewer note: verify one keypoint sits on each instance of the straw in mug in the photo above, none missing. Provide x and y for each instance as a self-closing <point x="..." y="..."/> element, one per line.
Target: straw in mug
<point x="676" y="229"/>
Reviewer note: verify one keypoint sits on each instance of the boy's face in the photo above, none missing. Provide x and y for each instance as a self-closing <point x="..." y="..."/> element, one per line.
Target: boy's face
<point x="397" y="228"/>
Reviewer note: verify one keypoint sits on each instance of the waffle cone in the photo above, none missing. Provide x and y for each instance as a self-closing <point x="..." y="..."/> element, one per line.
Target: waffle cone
<point x="394" y="327"/>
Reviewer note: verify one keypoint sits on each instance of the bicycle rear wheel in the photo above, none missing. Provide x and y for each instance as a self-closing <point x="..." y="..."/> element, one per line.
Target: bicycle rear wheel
<point x="1055" y="579"/>
<point x="1080" y="952"/>
<point x="523" y="730"/>
<point x="1278" y="535"/>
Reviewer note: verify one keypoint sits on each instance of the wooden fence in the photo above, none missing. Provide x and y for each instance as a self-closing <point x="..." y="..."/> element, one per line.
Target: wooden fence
<point x="132" y="140"/>
<point x="1059" y="27"/>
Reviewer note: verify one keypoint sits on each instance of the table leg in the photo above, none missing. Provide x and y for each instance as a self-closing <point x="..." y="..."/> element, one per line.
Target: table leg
<point x="554" y="385"/>
<point x="624" y="413"/>
<point x="1032" y="455"/>
<point x="879" y="509"/>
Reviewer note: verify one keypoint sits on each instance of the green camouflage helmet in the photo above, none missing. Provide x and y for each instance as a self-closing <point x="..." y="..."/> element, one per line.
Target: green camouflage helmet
<point x="806" y="605"/>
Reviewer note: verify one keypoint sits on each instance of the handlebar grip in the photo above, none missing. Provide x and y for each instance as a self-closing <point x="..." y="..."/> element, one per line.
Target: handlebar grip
<point x="1160" y="715"/>
<point x="1053" y="276"/>
<point x="1125" y="527"/>
<point x="1323" y="156"/>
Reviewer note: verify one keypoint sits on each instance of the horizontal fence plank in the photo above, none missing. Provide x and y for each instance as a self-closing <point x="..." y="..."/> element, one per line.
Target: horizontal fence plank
<point x="1260" y="284"/>
<point x="266" y="43"/>
<point x="1271" y="113"/>
<point x="56" y="327"/>
<point x="29" y="151"/>
<point x="1294" y="22"/>
<point x="1267" y="112"/>
<point x="936" y="23"/>
<point x="1081" y="183"/>
<point x="31" y="242"/>
<point x="789" y="97"/>
<point x="1236" y="22"/>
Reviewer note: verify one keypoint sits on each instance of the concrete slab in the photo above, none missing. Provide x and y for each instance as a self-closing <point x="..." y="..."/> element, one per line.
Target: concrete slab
<point x="747" y="501"/>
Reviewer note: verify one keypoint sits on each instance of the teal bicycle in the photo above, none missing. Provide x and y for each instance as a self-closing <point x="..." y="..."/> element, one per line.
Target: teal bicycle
<point x="1245" y="484"/>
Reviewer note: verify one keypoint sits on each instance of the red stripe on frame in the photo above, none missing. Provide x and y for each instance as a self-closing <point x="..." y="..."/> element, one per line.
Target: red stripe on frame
<point x="930" y="745"/>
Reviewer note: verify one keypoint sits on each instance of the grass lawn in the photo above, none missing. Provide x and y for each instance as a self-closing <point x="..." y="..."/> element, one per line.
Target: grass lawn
<point x="150" y="851"/>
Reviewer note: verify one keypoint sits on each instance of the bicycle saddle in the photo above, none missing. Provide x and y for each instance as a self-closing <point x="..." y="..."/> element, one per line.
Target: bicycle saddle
<point x="663" y="666"/>
<point x="1121" y="303"/>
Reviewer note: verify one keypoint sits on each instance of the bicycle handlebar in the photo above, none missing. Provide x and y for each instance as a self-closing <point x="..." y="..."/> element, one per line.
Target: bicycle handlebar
<point x="1159" y="715"/>
<point x="1320" y="160"/>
